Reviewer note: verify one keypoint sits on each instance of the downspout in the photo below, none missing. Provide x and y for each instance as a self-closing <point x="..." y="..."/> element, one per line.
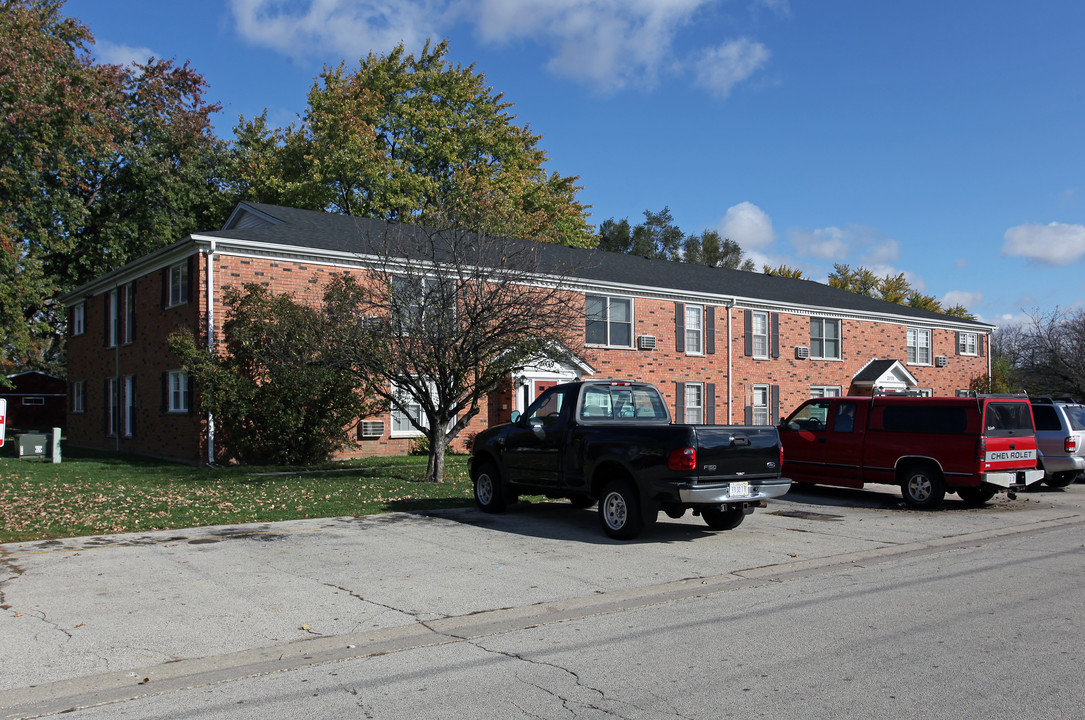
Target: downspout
<point x="211" y="342"/>
<point x="730" y="353"/>
<point x="115" y="331"/>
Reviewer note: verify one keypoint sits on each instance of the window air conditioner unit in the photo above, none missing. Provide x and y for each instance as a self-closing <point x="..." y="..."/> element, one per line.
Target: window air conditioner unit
<point x="802" y="352"/>
<point x="372" y="428"/>
<point x="940" y="361"/>
<point x="646" y="342"/>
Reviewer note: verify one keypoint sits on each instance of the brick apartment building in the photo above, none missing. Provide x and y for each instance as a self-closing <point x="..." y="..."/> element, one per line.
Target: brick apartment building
<point x="724" y="346"/>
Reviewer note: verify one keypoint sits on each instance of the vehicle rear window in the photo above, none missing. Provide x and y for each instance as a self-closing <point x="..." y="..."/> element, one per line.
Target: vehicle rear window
<point x="941" y="419"/>
<point x="622" y="403"/>
<point x="1076" y="415"/>
<point x="1008" y="418"/>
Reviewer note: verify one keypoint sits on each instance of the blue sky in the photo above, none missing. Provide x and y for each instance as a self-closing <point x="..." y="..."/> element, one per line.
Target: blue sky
<point x="938" y="138"/>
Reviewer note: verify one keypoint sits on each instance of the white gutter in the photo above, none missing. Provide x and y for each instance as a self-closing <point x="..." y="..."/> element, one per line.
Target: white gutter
<point x="730" y="366"/>
<point x="210" y="341"/>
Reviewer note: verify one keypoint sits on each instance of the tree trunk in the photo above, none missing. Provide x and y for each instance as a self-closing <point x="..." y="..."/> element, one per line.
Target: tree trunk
<point x="438" y="443"/>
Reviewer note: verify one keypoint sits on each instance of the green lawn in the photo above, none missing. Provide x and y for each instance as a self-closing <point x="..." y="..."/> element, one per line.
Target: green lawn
<point x="93" y="494"/>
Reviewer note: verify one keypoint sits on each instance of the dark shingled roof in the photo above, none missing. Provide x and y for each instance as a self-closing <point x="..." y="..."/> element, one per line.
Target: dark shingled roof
<point x="340" y="233"/>
<point x="874" y="370"/>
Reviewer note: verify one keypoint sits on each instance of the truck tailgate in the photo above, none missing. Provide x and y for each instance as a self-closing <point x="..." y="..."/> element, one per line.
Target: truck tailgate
<point x="736" y="453"/>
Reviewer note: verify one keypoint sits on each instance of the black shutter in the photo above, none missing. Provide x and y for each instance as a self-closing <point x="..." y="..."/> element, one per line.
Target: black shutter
<point x="105" y="316"/>
<point x="775" y="334"/>
<point x="191" y="278"/>
<point x="774" y="414"/>
<point x="679" y="402"/>
<point x="747" y="334"/>
<point x="679" y="327"/>
<point x="165" y="287"/>
<point x="958" y="341"/>
<point x="980" y="343"/>
<point x="105" y="408"/>
<point x="165" y="393"/>
<point x="710" y="329"/>
<point x="710" y="403"/>
<point x="748" y="420"/>
<point x="131" y="316"/>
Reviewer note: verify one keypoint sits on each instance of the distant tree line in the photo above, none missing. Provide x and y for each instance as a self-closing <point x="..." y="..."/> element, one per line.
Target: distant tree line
<point x="1043" y="356"/>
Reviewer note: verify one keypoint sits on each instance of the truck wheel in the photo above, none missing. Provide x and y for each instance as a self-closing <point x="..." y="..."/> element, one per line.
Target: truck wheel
<point x="619" y="510"/>
<point x="1060" y="480"/>
<point x="727" y="519"/>
<point x="976" y="496"/>
<point x="489" y="495"/>
<point x="922" y="487"/>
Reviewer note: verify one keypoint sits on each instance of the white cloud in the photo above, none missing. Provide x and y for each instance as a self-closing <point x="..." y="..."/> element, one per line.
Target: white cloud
<point x="605" y="44"/>
<point x="340" y="27"/>
<point x="963" y="298"/>
<point x="749" y="226"/>
<point x="721" y="68"/>
<point x="1053" y="244"/>
<point x="822" y="243"/>
<point x="113" y="54"/>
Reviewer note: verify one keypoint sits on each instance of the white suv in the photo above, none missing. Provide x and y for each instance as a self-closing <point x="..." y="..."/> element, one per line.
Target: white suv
<point x="1060" y="437"/>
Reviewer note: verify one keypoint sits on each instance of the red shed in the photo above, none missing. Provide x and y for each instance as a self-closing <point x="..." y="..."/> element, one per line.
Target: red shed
<point x="37" y="401"/>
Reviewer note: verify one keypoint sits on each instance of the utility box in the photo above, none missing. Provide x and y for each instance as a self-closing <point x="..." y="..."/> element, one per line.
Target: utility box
<point x="32" y="445"/>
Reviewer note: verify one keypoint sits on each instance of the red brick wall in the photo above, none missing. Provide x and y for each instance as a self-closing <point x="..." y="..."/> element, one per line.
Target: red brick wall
<point x="156" y="432"/>
<point x="181" y="437"/>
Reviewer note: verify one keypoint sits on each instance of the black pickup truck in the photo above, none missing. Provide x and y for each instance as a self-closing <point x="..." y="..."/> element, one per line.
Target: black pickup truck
<point x="613" y="442"/>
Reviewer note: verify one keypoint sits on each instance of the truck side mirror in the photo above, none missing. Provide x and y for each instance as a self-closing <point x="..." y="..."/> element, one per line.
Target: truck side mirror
<point x="515" y="417"/>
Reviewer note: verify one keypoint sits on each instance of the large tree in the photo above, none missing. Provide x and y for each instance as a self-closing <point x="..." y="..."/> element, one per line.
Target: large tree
<point x="271" y="389"/>
<point x="99" y="164"/>
<point x="443" y="318"/>
<point x="412" y="139"/>
<point x="659" y="237"/>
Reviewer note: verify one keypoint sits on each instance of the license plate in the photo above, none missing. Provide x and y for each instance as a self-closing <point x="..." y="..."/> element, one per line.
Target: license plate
<point x="739" y="489"/>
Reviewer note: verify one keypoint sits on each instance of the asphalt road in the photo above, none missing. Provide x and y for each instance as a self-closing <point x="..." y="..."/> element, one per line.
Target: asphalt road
<point x="829" y="603"/>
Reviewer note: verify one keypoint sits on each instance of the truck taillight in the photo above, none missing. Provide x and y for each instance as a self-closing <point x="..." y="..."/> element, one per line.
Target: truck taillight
<point x="682" y="459"/>
<point x="981" y="449"/>
<point x="1070" y="444"/>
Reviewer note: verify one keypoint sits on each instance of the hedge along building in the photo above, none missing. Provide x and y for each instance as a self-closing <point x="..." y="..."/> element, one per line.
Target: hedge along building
<point x="723" y="345"/>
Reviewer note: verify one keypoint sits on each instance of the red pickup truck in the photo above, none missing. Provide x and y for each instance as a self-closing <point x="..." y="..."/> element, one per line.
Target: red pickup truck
<point x="928" y="446"/>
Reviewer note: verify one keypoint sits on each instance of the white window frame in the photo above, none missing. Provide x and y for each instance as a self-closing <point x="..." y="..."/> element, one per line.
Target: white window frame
<point x="79" y="397"/>
<point x="608" y="323"/>
<point x="400" y="426"/>
<point x="177" y="400"/>
<point x="918" y="352"/>
<point x="760" y="398"/>
<point x="79" y="319"/>
<point x="34" y="400"/>
<point x="824" y="391"/>
<point x="923" y="392"/>
<point x="694" y="325"/>
<point x="967" y="343"/>
<point x="112" y="316"/>
<point x="759" y="331"/>
<point x="178" y="284"/>
<point x="820" y="341"/>
<point x="693" y="412"/>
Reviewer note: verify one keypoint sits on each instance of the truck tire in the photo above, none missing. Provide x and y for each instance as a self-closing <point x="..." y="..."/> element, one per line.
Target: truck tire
<point x="489" y="494"/>
<point x="1060" y="480"/>
<point x="922" y="486"/>
<point x="976" y="496"/>
<point x="727" y="519"/>
<point x="619" y="510"/>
